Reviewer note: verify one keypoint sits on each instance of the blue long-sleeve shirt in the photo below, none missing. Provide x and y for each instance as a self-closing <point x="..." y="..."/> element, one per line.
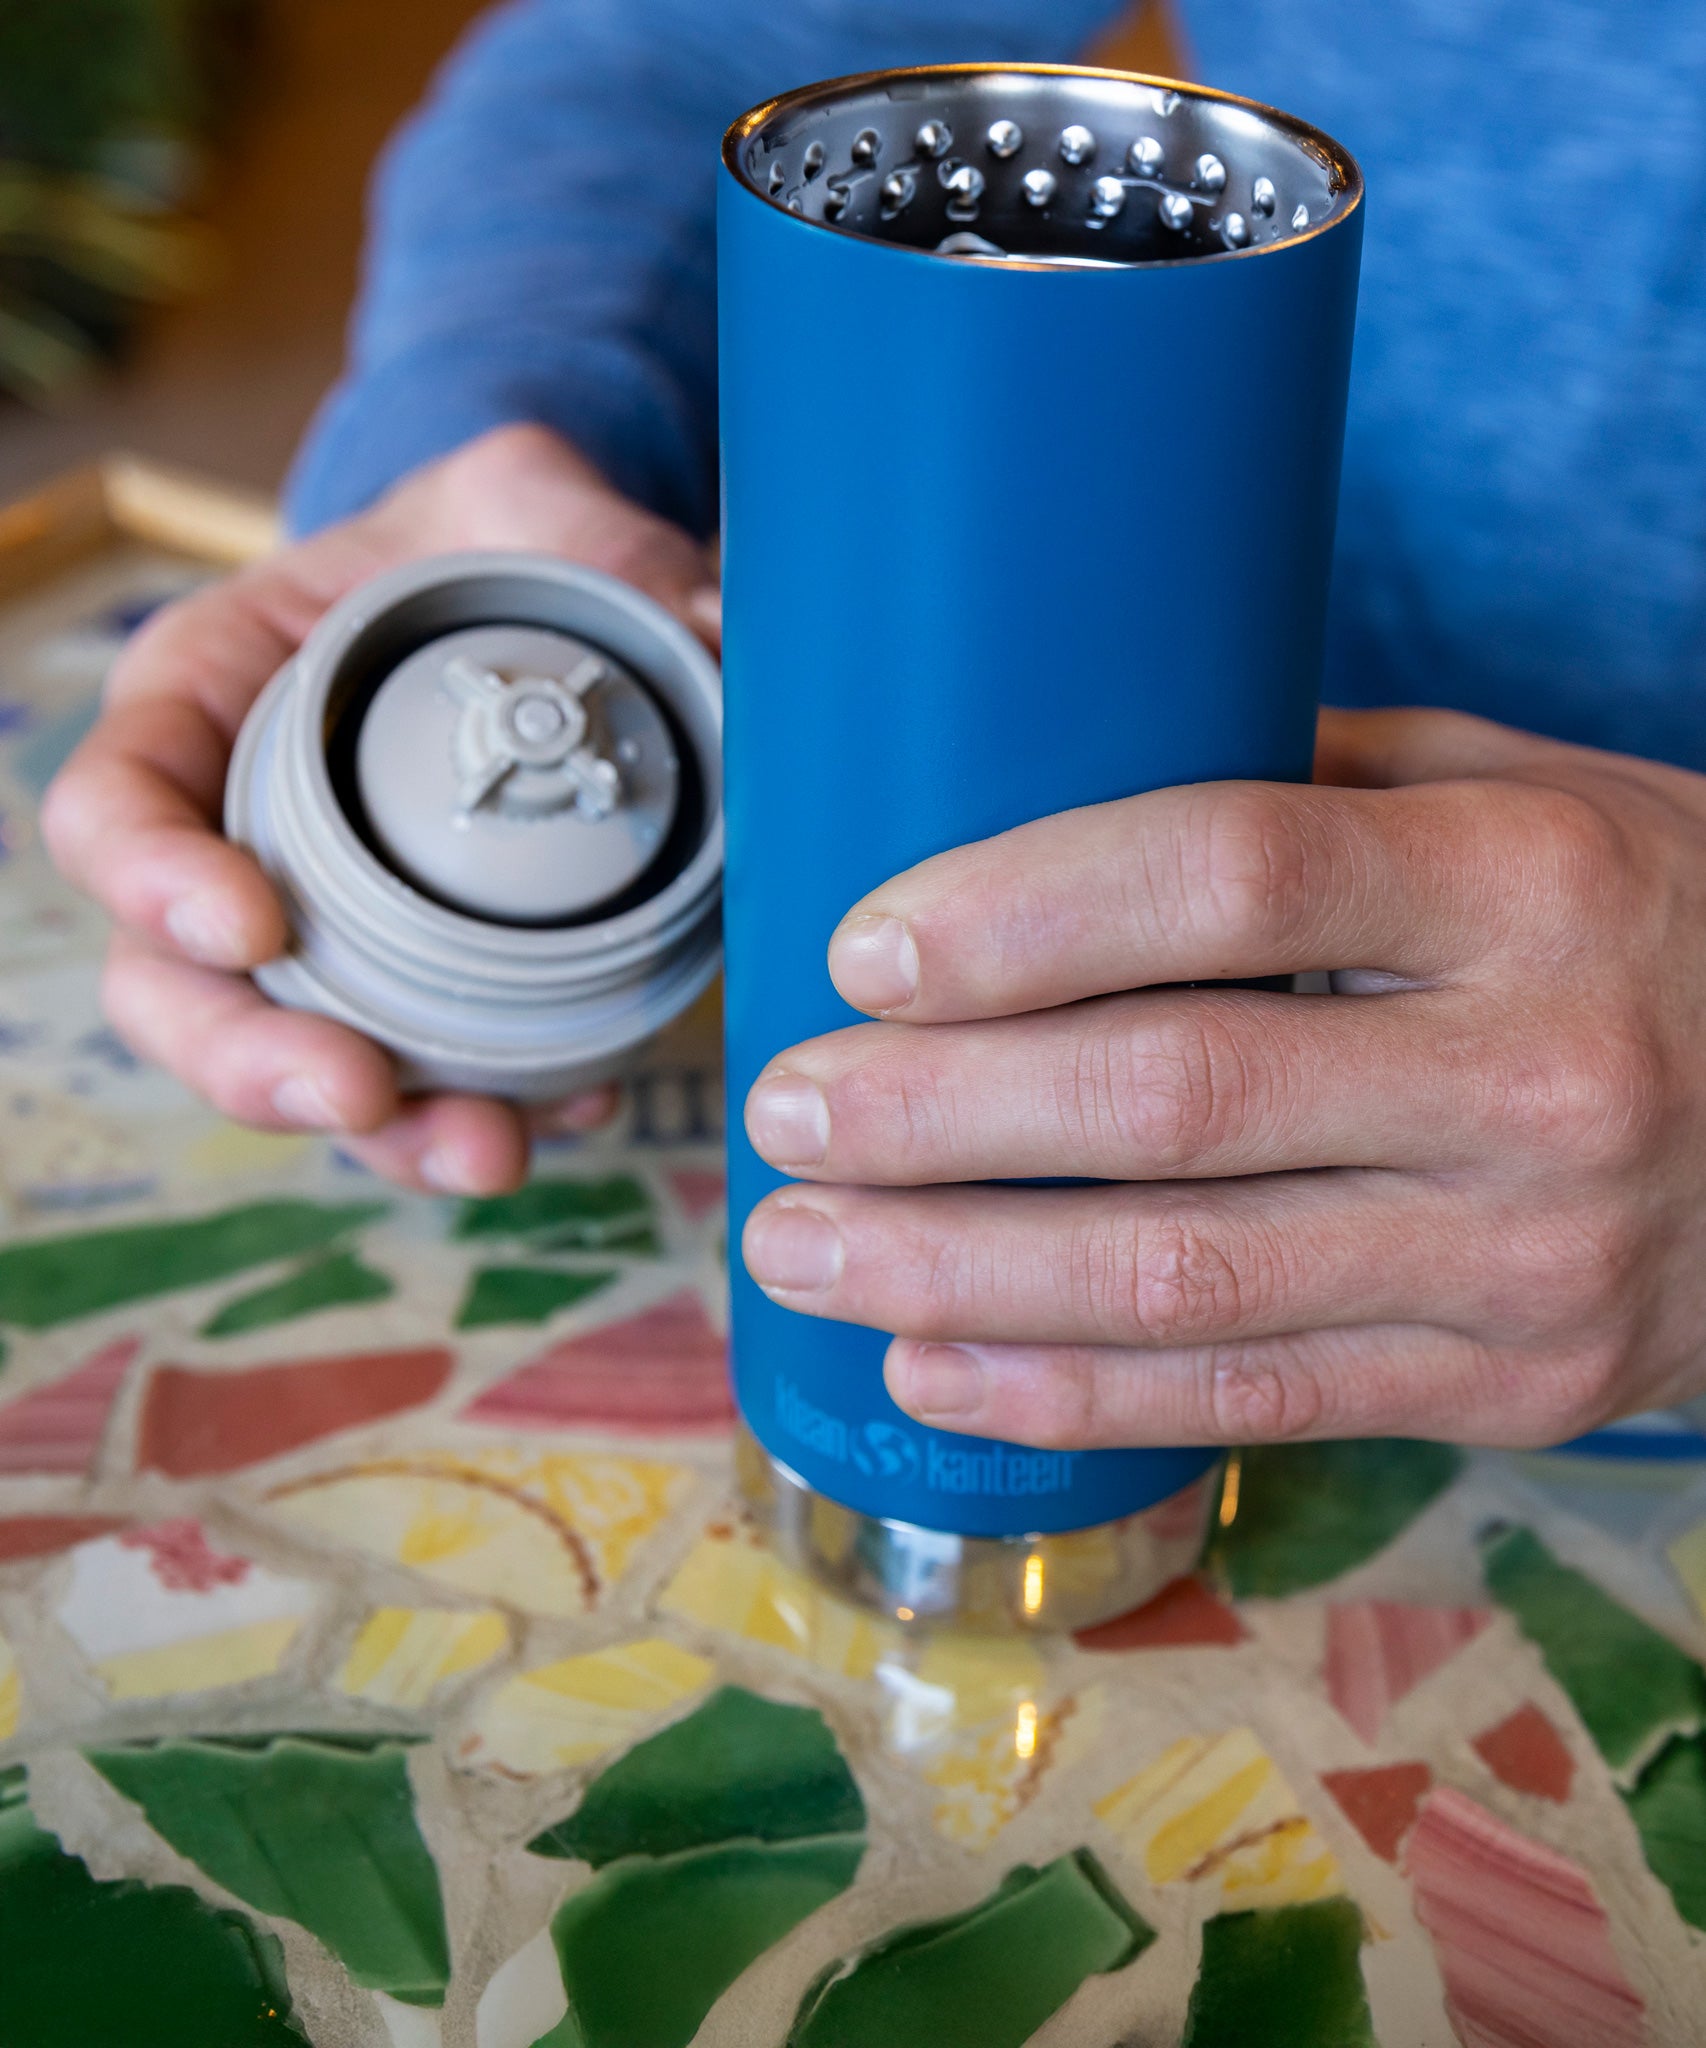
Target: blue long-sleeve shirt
<point x="1523" y="525"/>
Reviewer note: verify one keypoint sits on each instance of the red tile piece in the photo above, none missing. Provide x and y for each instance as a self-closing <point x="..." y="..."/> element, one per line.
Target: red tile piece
<point x="200" y="1422"/>
<point x="1527" y="1753"/>
<point x="58" y="1428"/>
<point x="1183" y="1615"/>
<point x="663" y="1372"/>
<point x="1521" y="1939"/>
<point x="1381" y="1804"/>
<point x="699" y="1190"/>
<point x="42" y="1535"/>
<point x="1378" y="1650"/>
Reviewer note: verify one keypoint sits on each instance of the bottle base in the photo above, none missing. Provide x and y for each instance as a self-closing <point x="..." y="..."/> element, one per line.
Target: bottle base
<point x="988" y="1584"/>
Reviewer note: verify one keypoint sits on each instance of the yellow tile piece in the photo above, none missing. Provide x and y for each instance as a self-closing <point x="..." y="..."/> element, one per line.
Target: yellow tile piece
<point x="730" y="1581"/>
<point x="11" y="1695"/>
<point x="987" y="1778"/>
<point x="986" y="1676"/>
<point x="403" y="1654"/>
<point x="229" y="1152"/>
<point x="203" y="1663"/>
<point x="1214" y="1809"/>
<point x="545" y="1533"/>
<point x="565" y="1713"/>
<point x="1688" y="1554"/>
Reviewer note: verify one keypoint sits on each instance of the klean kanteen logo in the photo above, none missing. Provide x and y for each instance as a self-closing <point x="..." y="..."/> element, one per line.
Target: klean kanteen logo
<point x="810" y="1425"/>
<point x="997" y="1468"/>
<point x="885" y="1450"/>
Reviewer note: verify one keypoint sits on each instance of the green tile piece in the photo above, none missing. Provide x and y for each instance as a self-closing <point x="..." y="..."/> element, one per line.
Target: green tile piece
<point x="1307" y="1512"/>
<point x="49" y="1280"/>
<point x="1668" y="1807"/>
<point x="1286" y="1976"/>
<point x="987" y="1978"/>
<point x="85" y="1964"/>
<point x="318" y="1830"/>
<point x="524" y="1294"/>
<point x="611" y="1215"/>
<point x="650" y="1946"/>
<point x="339" y="1280"/>
<point x="1630" y="1684"/>
<point x="740" y="1768"/>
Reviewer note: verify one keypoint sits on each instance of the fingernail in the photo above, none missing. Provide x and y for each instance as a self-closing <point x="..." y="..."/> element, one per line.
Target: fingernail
<point x="442" y="1170"/>
<point x="797" y="1251"/>
<point x="705" y="608"/>
<point x="938" y="1379"/>
<point x="299" y="1101"/>
<point x="583" y="1112"/>
<point x="201" y="927"/>
<point x="787" y="1120"/>
<point x="874" y="963"/>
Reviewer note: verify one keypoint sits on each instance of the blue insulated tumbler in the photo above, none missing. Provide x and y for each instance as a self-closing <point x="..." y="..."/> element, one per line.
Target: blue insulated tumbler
<point x="1033" y="398"/>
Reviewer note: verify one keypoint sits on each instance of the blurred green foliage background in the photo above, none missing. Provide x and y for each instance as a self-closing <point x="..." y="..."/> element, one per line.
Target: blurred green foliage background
<point x="110" y="114"/>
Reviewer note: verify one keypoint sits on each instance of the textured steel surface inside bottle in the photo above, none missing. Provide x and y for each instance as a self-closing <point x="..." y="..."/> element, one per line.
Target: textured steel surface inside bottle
<point x="1033" y="397"/>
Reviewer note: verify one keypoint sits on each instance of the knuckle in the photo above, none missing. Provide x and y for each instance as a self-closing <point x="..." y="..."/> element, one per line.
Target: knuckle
<point x="1184" y="1285"/>
<point x="1258" y="871"/>
<point x="1167" y="1097"/>
<point x="1576" y="1393"/>
<point x="1574" y="850"/>
<point x="1260" y="1396"/>
<point x="1598" y="1098"/>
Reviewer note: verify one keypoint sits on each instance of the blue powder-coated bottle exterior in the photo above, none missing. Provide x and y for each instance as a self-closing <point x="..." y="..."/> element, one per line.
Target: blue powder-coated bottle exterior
<point x="998" y="541"/>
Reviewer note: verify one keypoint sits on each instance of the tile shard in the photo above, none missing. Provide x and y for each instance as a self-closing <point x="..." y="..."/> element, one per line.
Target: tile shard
<point x="159" y="1610"/>
<point x="543" y="1532"/>
<point x="616" y="1214"/>
<point x="336" y="1280"/>
<point x="319" y="1829"/>
<point x="1522" y="1941"/>
<point x="501" y="1297"/>
<point x="711" y="1840"/>
<point x="739" y="1767"/>
<point x="83" y="1961"/>
<point x="652" y="1943"/>
<point x="1668" y="1807"/>
<point x="1188" y="1614"/>
<point x="1633" y="1687"/>
<point x="27" y="1536"/>
<point x="985" y="1978"/>
<point x="1307" y="1513"/>
<point x="1382" y="1803"/>
<point x="198" y="1423"/>
<point x="1380" y="1650"/>
<point x="1215" y="1810"/>
<point x="664" y="1372"/>
<point x="58" y="1428"/>
<point x="45" y="1281"/>
<point x="558" y="1715"/>
<point x="1525" y="1752"/>
<point x="402" y="1655"/>
<point x="1285" y="1976"/>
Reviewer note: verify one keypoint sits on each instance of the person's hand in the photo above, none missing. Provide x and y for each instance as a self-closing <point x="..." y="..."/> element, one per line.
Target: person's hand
<point x="134" y="817"/>
<point x="1464" y="1196"/>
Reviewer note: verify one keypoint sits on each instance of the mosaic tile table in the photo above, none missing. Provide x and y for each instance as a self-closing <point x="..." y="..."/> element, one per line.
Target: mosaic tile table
<point x="386" y="1664"/>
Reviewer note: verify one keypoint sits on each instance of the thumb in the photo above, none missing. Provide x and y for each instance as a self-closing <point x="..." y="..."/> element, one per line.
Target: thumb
<point x="525" y="487"/>
<point x="1388" y="749"/>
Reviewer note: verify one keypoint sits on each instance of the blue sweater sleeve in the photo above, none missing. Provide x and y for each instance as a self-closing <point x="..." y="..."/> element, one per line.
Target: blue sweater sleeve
<point x="542" y="243"/>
